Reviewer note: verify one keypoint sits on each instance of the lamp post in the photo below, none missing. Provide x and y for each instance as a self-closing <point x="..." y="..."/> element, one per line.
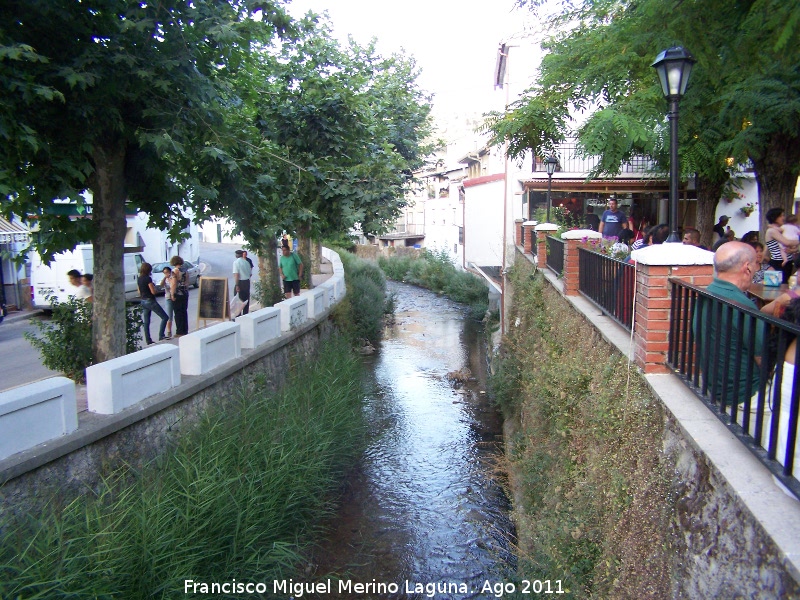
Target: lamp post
<point x="674" y="66"/>
<point x="550" y="163"/>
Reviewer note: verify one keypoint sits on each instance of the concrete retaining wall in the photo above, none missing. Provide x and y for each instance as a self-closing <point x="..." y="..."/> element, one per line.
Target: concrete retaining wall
<point x="130" y="421"/>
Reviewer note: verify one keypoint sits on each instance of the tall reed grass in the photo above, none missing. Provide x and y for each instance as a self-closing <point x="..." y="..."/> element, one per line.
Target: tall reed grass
<point x="239" y="497"/>
<point x="434" y="271"/>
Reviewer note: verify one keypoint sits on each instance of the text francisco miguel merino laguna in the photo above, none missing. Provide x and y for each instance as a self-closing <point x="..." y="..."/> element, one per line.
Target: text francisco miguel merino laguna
<point x="297" y="589"/>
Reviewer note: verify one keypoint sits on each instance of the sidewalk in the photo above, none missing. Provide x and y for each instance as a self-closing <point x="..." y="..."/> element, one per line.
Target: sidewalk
<point x="20" y="315"/>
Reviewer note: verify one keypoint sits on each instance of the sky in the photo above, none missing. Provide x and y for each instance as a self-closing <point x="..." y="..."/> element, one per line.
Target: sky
<point x="453" y="41"/>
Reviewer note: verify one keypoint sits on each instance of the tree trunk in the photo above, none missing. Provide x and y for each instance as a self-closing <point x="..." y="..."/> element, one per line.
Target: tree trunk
<point x="709" y="192"/>
<point x="304" y="247"/>
<point x="777" y="169"/>
<point x="269" y="278"/>
<point x="316" y="256"/>
<point x="109" y="195"/>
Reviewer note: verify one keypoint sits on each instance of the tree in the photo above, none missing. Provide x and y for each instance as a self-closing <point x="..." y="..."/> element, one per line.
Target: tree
<point x="600" y="62"/>
<point x="359" y="124"/>
<point x="125" y="100"/>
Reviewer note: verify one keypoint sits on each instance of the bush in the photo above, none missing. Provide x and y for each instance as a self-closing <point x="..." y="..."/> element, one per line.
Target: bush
<point x="362" y="311"/>
<point x="239" y="495"/>
<point x="65" y="342"/>
<point x="434" y="271"/>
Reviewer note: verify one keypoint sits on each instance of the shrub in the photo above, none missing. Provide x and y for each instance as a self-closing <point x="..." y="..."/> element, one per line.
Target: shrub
<point x="362" y="311"/>
<point x="65" y="342"/>
<point x="434" y="271"/>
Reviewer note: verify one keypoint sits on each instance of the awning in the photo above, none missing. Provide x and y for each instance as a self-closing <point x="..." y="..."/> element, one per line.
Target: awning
<point x="13" y="232"/>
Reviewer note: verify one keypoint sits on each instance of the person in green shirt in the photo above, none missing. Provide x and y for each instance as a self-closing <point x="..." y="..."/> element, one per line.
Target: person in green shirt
<point x="734" y="265"/>
<point x="291" y="269"/>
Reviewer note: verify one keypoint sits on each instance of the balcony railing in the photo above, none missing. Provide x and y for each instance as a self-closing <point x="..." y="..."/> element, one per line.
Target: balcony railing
<point x="555" y="254"/>
<point x="570" y="162"/>
<point x="405" y="229"/>
<point x="733" y="358"/>
<point x="609" y="283"/>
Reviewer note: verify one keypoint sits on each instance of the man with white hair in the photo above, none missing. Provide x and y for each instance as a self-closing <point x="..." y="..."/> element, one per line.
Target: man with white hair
<point x="729" y="353"/>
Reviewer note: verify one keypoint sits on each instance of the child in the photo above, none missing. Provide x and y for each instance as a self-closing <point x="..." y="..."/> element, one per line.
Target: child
<point x="166" y="285"/>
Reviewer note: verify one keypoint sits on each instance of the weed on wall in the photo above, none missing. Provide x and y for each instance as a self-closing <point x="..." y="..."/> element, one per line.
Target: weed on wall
<point x="590" y="485"/>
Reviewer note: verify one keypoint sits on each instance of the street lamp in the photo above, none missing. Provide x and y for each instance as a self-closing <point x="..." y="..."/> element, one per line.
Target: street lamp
<point x="674" y="66"/>
<point x="550" y="163"/>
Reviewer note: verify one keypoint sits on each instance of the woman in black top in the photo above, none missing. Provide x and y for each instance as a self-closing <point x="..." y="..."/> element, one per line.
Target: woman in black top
<point x="180" y="296"/>
<point x="149" y="303"/>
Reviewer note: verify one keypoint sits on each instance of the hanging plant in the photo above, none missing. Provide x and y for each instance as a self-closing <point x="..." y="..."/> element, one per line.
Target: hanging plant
<point x="747" y="209"/>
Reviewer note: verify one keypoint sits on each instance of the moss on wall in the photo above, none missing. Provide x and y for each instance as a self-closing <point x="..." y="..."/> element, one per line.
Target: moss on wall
<point x="584" y="445"/>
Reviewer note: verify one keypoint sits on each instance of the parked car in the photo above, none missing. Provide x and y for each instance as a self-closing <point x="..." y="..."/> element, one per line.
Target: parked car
<point x="192" y="274"/>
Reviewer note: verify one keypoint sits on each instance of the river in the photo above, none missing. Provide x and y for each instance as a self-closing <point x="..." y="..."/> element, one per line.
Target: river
<point x="424" y="509"/>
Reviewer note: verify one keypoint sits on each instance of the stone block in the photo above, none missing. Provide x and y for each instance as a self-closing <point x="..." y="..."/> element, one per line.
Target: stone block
<point x="116" y="384"/>
<point x="35" y="413"/>
<point x="294" y="312"/>
<point x="206" y="349"/>
<point x="259" y="327"/>
<point x="317" y="301"/>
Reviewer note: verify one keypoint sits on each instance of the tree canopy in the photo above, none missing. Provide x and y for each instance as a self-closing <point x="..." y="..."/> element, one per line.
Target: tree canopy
<point x="227" y="109"/>
<point x="742" y="100"/>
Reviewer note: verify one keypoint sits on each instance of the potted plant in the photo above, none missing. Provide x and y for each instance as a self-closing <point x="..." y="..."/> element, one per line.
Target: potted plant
<point x="747" y="209"/>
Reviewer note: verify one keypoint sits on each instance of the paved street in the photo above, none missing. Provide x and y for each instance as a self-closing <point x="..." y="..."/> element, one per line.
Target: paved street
<point x="20" y="363"/>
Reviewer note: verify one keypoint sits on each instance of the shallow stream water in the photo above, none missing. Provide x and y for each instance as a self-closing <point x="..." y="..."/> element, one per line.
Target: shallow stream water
<point x="424" y="510"/>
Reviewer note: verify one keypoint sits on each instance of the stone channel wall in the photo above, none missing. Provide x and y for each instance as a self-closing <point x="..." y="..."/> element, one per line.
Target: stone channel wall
<point x="736" y="529"/>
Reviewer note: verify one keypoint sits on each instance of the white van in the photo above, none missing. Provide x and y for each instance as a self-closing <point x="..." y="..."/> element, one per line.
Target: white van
<point x="52" y="280"/>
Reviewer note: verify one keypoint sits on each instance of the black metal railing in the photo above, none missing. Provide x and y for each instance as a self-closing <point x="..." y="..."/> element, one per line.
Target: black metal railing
<point x="734" y="358"/>
<point x="609" y="283"/>
<point x="555" y="254"/>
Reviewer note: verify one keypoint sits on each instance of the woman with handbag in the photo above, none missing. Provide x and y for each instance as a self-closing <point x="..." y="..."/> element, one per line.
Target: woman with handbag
<point x="147" y="290"/>
<point x="179" y="293"/>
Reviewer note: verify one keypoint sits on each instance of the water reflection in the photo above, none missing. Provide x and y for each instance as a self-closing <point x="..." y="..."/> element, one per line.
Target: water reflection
<point x="423" y="505"/>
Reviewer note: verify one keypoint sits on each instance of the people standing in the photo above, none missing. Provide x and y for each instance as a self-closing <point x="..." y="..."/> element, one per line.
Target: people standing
<point x="88" y="281"/>
<point x="781" y="249"/>
<point x="612" y="220"/>
<point x="147" y="291"/>
<point x="81" y="292"/>
<point x="592" y="220"/>
<point x="719" y="228"/>
<point x="180" y="296"/>
<point x="291" y="270"/>
<point x="166" y="285"/>
<point x="242" y="270"/>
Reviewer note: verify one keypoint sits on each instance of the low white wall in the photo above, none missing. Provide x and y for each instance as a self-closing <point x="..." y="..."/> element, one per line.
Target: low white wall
<point x="116" y="384"/>
<point x="317" y="301"/>
<point x="259" y="327"/>
<point x="206" y="349"/>
<point x="294" y="312"/>
<point x="45" y="410"/>
<point x="37" y="412"/>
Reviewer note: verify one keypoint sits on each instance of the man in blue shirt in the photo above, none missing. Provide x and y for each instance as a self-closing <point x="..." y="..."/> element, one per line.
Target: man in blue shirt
<point x="612" y="220"/>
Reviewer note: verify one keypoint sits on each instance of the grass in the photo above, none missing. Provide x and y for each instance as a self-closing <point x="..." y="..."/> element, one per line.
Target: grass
<point x="591" y="488"/>
<point x="435" y="272"/>
<point x="239" y="497"/>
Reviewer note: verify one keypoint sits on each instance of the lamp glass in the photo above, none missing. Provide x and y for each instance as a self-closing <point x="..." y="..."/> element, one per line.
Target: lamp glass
<point x="550" y="163"/>
<point x="674" y="66"/>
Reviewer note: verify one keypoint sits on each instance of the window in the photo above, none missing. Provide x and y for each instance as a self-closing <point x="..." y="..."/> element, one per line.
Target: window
<point x="461" y="235"/>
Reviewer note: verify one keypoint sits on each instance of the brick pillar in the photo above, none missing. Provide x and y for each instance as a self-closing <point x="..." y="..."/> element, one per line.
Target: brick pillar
<point x="518" y="232"/>
<point x="541" y="249"/>
<point x="652" y="310"/>
<point x="530" y="235"/>
<point x="571" y="267"/>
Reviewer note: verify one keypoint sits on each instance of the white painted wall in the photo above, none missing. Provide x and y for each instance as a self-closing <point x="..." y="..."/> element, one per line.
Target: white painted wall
<point x="483" y="224"/>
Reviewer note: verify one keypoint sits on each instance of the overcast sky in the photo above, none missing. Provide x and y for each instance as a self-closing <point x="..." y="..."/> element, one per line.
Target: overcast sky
<point x="454" y="41"/>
